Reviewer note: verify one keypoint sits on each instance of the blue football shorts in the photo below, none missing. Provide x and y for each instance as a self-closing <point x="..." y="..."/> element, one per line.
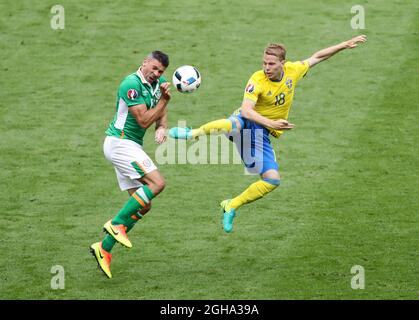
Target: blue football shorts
<point x="254" y="145"/>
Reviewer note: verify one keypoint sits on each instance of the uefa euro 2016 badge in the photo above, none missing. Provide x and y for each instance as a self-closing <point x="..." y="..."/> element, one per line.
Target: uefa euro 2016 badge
<point x="289" y="83"/>
<point x="132" y="94"/>
<point x="250" y="88"/>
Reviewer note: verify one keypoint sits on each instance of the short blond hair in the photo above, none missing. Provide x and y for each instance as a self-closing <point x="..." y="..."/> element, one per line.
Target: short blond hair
<point x="277" y="50"/>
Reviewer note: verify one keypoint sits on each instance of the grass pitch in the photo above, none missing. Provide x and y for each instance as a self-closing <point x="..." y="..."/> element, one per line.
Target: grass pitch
<point x="349" y="170"/>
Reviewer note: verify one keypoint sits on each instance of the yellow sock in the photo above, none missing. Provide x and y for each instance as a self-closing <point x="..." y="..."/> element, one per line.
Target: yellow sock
<point x="255" y="191"/>
<point x="213" y="127"/>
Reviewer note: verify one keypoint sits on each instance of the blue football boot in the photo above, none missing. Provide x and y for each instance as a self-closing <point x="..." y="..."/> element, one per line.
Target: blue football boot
<point x="228" y="216"/>
<point x="180" y="133"/>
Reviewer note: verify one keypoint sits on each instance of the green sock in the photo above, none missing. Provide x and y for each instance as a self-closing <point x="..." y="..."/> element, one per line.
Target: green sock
<point x="139" y="199"/>
<point x="109" y="242"/>
<point x="135" y="203"/>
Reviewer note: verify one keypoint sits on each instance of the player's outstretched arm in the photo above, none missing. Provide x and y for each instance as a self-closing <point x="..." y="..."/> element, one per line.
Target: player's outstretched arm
<point x="326" y="53"/>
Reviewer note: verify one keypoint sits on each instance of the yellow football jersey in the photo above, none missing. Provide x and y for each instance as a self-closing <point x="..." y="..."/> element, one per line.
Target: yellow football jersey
<point x="274" y="99"/>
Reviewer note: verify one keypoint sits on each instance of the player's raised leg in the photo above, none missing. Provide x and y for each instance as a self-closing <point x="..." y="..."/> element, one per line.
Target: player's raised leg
<point x="213" y="127"/>
<point x="109" y="241"/>
<point x="140" y="199"/>
<point x="102" y="250"/>
<point x="118" y="226"/>
<point x="269" y="181"/>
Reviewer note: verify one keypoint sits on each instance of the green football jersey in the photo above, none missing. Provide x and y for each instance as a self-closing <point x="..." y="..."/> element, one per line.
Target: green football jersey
<point x="133" y="90"/>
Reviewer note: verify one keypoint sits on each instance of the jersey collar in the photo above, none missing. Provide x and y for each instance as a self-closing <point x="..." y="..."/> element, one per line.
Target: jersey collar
<point x="278" y="81"/>
<point x="143" y="80"/>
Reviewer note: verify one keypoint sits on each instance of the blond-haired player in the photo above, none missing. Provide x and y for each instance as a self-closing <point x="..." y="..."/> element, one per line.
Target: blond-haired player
<point x="264" y="111"/>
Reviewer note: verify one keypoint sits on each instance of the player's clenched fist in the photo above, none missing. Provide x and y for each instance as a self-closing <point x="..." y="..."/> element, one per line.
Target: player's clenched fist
<point x="160" y="135"/>
<point x="165" y="91"/>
